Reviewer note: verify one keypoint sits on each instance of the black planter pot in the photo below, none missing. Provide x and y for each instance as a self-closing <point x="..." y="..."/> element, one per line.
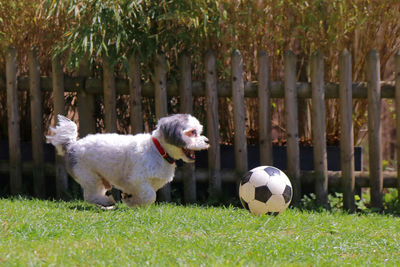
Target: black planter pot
<point x="26" y="151"/>
<point x="279" y="155"/>
<point x="227" y="156"/>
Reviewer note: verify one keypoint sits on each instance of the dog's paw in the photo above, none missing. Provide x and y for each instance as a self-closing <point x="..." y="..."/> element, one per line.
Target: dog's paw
<point x="105" y="203"/>
<point x="105" y="207"/>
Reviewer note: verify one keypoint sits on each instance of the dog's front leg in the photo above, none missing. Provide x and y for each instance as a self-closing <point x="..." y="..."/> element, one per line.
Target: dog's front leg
<point x="140" y="195"/>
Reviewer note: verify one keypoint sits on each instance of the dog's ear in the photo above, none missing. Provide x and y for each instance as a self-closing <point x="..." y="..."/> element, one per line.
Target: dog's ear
<point x="171" y="128"/>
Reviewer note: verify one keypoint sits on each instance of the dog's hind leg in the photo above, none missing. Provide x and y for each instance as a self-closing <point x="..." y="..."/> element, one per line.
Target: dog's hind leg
<point x="94" y="187"/>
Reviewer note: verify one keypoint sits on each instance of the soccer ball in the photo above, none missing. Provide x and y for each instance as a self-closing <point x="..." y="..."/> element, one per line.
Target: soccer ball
<point x="265" y="190"/>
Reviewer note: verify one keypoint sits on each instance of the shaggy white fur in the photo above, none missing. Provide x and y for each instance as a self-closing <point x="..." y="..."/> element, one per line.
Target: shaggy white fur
<point x="131" y="163"/>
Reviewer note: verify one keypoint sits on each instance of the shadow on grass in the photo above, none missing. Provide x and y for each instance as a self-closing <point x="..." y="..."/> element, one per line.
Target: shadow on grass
<point x="84" y="206"/>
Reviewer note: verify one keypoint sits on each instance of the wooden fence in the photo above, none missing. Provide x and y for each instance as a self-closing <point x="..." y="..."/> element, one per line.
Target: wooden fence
<point x="237" y="89"/>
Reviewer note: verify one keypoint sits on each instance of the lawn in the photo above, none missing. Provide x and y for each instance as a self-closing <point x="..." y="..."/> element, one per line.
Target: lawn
<point x="34" y="232"/>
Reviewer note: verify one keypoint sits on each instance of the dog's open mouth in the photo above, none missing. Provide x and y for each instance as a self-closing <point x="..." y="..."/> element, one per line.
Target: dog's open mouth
<point x="189" y="153"/>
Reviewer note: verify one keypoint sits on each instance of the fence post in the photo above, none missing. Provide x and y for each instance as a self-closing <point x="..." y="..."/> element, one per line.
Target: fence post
<point x="264" y="106"/>
<point x="160" y="85"/>
<point x="59" y="108"/>
<point x="239" y="113"/>
<point x="319" y="128"/>
<point x="36" y="124"/>
<point x="346" y="129"/>
<point x="110" y="101"/>
<point x="14" y="142"/>
<point x="86" y="102"/>
<point x="186" y="106"/>
<point x="374" y="128"/>
<point x="135" y="95"/>
<point x="397" y="104"/>
<point x="292" y="129"/>
<point x="214" y="152"/>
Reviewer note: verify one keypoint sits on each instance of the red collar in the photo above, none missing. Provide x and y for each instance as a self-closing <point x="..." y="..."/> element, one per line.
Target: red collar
<point x="162" y="151"/>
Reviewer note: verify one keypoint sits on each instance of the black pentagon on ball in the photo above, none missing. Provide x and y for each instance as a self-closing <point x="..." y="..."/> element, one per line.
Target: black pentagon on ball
<point x="287" y="194"/>
<point x="262" y="193"/>
<point x="272" y="171"/>
<point x="244" y="203"/>
<point x="246" y="178"/>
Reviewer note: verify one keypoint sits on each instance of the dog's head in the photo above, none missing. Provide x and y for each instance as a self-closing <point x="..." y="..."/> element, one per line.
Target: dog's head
<point x="180" y="135"/>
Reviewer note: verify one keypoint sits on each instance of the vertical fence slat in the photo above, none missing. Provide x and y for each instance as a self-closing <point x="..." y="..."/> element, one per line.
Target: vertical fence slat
<point x="214" y="152"/>
<point x="264" y="105"/>
<point x="59" y="108"/>
<point x="36" y="124"/>
<point x="86" y="103"/>
<point x="160" y="85"/>
<point x="135" y="92"/>
<point x="397" y="103"/>
<point x="58" y="87"/>
<point x="239" y="113"/>
<point x="319" y="128"/>
<point x="110" y="101"/>
<point x="346" y="130"/>
<point x="292" y="129"/>
<point x="185" y="85"/>
<point x="374" y="128"/>
<point x="186" y="106"/>
<point x="14" y="142"/>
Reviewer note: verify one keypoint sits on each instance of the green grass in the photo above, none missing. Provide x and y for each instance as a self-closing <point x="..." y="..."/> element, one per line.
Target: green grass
<point x="36" y="233"/>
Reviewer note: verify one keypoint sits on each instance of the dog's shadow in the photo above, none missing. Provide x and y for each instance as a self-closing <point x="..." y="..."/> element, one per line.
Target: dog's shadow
<point x="94" y="208"/>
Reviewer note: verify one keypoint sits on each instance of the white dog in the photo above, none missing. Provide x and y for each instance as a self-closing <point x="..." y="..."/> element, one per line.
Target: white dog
<point x="138" y="165"/>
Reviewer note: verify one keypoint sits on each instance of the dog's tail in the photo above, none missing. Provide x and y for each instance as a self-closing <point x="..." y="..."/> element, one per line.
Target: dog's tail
<point x="64" y="134"/>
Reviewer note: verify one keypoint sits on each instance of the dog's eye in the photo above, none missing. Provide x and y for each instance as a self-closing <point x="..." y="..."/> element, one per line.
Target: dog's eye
<point x="191" y="133"/>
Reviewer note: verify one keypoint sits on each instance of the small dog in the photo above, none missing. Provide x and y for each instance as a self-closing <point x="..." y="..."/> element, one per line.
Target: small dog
<point x="138" y="165"/>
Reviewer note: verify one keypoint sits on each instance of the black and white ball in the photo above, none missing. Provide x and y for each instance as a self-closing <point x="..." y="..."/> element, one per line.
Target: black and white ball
<point x="265" y="190"/>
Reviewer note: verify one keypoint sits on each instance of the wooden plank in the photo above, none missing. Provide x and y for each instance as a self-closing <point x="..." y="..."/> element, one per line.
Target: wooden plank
<point x="110" y="97"/>
<point x="397" y="105"/>
<point x="362" y="179"/>
<point x="86" y="102"/>
<point x="319" y="128"/>
<point x="14" y="142"/>
<point x="304" y="90"/>
<point x="185" y="84"/>
<point x="58" y="87"/>
<point x="160" y="86"/>
<point x="264" y="105"/>
<point x="292" y="129"/>
<point x="135" y="95"/>
<point x="346" y="129"/>
<point x="374" y="128"/>
<point x="239" y="113"/>
<point x="39" y="187"/>
<point x="214" y="152"/>
<point x="59" y="108"/>
<point x="186" y="106"/>
<point x="161" y="106"/>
